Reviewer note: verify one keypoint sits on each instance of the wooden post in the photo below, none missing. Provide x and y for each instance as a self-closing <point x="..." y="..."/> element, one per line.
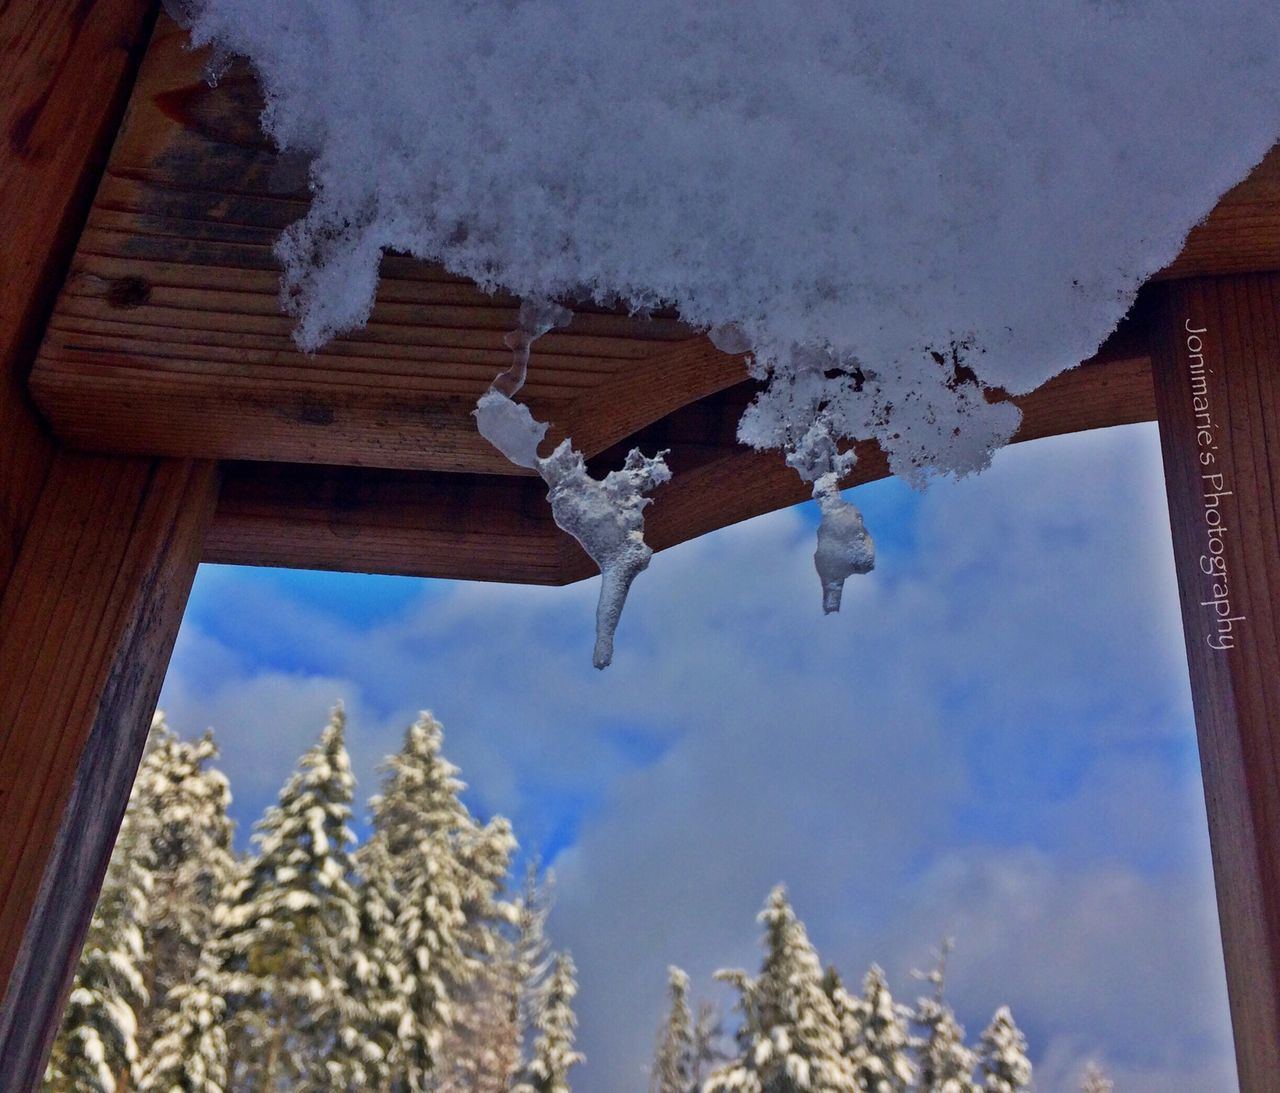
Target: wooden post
<point x="1216" y="365"/>
<point x="96" y="555"/>
<point x="87" y="624"/>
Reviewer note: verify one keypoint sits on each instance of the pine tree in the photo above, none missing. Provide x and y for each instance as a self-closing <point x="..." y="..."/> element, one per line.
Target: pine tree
<point x="445" y="866"/>
<point x="531" y="949"/>
<point x="1003" y="1055"/>
<point x="189" y="1052"/>
<point x="879" y="1056"/>
<point x="1095" y="1080"/>
<point x="481" y="1045"/>
<point x="190" y="858"/>
<point x="289" y="927"/>
<point x="553" y="1052"/>
<point x="369" y="1037"/>
<point x="790" y="1038"/>
<point x="847" y="1009"/>
<point x="946" y="1064"/>
<point x="708" y="1036"/>
<point x="674" y="1063"/>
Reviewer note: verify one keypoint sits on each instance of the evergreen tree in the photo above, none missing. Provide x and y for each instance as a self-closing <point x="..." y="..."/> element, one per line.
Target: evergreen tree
<point x="289" y="928"/>
<point x="879" y="1055"/>
<point x="370" y="1035"/>
<point x="189" y="1053"/>
<point x="96" y="1050"/>
<point x="532" y="949"/>
<point x="674" y="1063"/>
<point x="553" y="1054"/>
<point x="1095" y="1080"/>
<point x="945" y="1064"/>
<point x="444" y="865"/>
<point x="481" y="1048"/>
<point x="848" y="1012"/>
<point x="190" y="858"/>
<point x="790" y="1037"/>
<point x="1003" y="1055"/>
<point x="708" y="1035"/>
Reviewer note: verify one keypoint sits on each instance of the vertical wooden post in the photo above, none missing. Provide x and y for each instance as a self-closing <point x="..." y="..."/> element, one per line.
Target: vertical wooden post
<point x="1216" y="363"/>
<point x="66" y="67"/>
<point x="87" y="624"/>
<point x="96" y="555"/>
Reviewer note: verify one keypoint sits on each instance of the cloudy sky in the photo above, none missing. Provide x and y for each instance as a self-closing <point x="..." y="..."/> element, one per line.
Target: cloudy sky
<point x="993" y="740"/>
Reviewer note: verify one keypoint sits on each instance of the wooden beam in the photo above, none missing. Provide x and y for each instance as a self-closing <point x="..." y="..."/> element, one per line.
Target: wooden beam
<point x="87" y="624"/>
<point x="481" y="527"/>
<point x="1217" y="380"/>
<point x="65" y="71"/>
<point x="169" y="340"/>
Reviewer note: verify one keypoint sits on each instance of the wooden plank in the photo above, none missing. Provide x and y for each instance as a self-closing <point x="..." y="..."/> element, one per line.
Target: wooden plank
<point x="168" y="338"/>
<point x="65" y="70"/>
<point x="1242" y="234"/>
<point x="481" y="527"/>
<point x="87" y="624"/>
<point x="1217" y="381"/>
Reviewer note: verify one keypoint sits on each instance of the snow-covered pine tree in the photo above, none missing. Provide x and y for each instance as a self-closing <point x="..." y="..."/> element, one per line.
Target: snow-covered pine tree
<point x="1003" y="1055"/>
<point x="289" y="927"/>
<point x="880" y="1054"/>
<point x="370" y="1034"/>
<point x="1095" y="1079"/>
<point x="708" y="1040"/>
<point x="481" y="1046"/>
<point x="191" y="859"/>
<point x="96" y="1050"/>
<point x="553" y="1054"/>
<point x="444" y="865"/>
<point x="189" y="1052"/>
<point x="945" y="1064"/>
<point x="673" y="1062"/>
<point x="790" y="1038"/>
<point x="848" y="1011"/>
<point x="532" y="949"/>
<point x="480" y="1051"/>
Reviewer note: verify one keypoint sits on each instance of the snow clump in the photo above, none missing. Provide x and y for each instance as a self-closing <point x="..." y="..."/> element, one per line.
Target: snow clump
<point x="874" y="182"/>
<point x="894" y="205"/>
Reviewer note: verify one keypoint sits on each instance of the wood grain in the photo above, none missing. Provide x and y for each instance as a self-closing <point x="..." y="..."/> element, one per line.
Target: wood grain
<point x="485" y="527"/>
<point x="65" y="71"/>
<point x="1231" y="612"/>
<point x="169" y="339"/>
<point x="87" y="624"/>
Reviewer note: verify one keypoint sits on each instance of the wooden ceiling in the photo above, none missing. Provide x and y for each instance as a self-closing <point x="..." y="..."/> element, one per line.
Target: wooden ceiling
<point x="167" y="339"/>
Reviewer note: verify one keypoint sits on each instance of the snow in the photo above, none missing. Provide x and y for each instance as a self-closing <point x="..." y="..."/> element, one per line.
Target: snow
<point x="893" y="206"/>
<point x="881" y="181"/>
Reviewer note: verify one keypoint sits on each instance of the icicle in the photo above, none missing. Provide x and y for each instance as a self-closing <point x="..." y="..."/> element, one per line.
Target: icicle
<point x="845" y="546"/>
<point x="605" y="515"/>
<point x="536" y="318"/>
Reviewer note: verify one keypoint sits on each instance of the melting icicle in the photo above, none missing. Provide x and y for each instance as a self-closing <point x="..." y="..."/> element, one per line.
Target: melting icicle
<point x="605" y="515"/>
<point x="845" y="547"/>
<point x="536" y="318"/>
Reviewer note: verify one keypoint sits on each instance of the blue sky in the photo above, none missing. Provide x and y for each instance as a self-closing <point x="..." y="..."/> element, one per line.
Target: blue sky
<point x="992" y="740"/>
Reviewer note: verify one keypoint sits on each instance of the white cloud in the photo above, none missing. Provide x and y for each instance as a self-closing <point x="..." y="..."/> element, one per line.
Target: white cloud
<point x="993" y="737"/>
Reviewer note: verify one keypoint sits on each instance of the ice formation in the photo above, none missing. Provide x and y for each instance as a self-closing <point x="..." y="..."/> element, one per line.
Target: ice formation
<point x="605" y="515"/>
<point x="895" y="205"/>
